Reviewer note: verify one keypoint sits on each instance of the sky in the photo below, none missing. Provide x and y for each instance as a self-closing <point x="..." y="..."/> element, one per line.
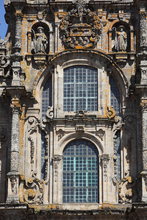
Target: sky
<point x="3" y="26"/>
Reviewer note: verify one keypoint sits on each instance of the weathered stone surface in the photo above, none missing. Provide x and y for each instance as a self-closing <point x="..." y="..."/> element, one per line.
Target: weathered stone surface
<point x="44" y="40"/>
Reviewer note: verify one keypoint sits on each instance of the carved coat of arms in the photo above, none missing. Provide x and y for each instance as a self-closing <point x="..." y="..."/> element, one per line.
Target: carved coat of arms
<point x="80" y="28"/>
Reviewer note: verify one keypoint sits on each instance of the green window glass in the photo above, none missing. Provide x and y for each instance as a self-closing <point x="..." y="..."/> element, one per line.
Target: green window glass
<point x="80" y="172"/>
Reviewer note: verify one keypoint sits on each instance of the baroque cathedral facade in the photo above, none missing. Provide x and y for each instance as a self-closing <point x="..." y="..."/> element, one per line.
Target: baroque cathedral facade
<point x="73" y="110"/>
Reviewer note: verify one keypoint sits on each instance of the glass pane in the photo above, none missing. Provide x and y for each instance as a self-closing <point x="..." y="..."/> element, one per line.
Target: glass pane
<point x="46" y="96"/>
<point x="80" y="172"/>
<point x="80" y="89"/>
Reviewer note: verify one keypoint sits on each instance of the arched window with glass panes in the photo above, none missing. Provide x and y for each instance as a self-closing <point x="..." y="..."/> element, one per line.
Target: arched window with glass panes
<point x="80" y="172"/>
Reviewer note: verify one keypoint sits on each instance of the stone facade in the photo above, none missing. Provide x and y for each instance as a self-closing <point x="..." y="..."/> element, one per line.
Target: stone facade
<point x="44" y="42"/>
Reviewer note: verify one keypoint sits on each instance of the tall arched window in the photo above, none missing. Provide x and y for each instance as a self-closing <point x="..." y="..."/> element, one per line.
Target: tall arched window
<point x="80" y="172"/>
<point x="115" y="96"/>
<point x="46" y="96"/>
<point x="80" y="88"/>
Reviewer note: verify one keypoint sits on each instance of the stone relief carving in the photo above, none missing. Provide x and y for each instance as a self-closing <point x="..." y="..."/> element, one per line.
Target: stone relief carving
<point x="4" y="66"/>
<point x="80" y="28"/>
<point x="125" y="190"/>
<point x="100" y="133"/>
<point x="31" y="190"/>
<point x="145" y="179"/>
<point x="13" y="181"/>
<point x="143" y="105"/>
<point x="105" y="160"/>
<point x="40" y="41"/>
<point x="41" y="14"/>
<point x="143" y="29"/>
<point x="45" y="141"/>
<point x="117" y="126"/>
<point x="56" y="161"/>
<point x="32" y="127"/>
<point x="117" y="123"/>
<point x="50" y="112"/>
<point x="110" y="113"/>
<point x="60" y="133"/>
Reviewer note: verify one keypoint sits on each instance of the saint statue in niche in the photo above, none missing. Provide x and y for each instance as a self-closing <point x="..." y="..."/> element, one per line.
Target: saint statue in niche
<point x="40" y="41"/>
<point x="120" y="41"/>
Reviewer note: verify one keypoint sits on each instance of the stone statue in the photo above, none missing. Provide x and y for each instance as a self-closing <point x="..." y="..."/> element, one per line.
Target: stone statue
<point x="120" y="42"/>
<point x="40" y="41"/>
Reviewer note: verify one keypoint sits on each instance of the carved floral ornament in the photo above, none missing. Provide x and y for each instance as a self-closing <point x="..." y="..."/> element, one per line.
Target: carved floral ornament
<point x="125" y="190"/>
<point x="31" y="190"/>
<point x="80" y="28"/>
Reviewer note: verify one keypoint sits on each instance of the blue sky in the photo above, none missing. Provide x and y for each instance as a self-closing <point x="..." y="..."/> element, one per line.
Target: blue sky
<point x="3" y="26"/>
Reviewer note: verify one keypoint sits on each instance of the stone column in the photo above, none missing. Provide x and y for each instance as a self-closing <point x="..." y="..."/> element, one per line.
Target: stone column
<point x="56" y="37"/>
<point x="29" y="34"/>
<point x="144" y="150"/>
<point x="110" y="40"/>
<point x="143" y="30"/>
<point x="13" y="175"/>
<point x="51" y="45"/>
<point x="131" y="39"/>
<point x="18" y="16"/>
<point x="16" y="57"/>
<point x="143" y="46"/>
<point x="56" y="181"/>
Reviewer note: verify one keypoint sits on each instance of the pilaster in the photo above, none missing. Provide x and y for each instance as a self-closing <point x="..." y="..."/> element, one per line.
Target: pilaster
<point x="144" y="150"/>
<point x="13" y="174"/>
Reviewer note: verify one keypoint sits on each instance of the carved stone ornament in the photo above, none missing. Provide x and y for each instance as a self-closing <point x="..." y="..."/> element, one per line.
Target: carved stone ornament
<point x="143" y="26"/>
<point x="50" y="113"/>
<point x="110" y="113"/>
<point x="13" y="181"/>
<point x="143" y="105"/>
<point x="100" y="133"/>
<point x="60" y="133"/>
<point x="125" y="190"/>
<point x="80" y="28"/>
<point x="32" y="126"/>
<point x="4" y="64"/>
<point x="105" y="161"/>
<point x="117" y="124"/>
<point x="56" y="161"/>
<point x="145" y="180"/>
<point x="31" y="190"/>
